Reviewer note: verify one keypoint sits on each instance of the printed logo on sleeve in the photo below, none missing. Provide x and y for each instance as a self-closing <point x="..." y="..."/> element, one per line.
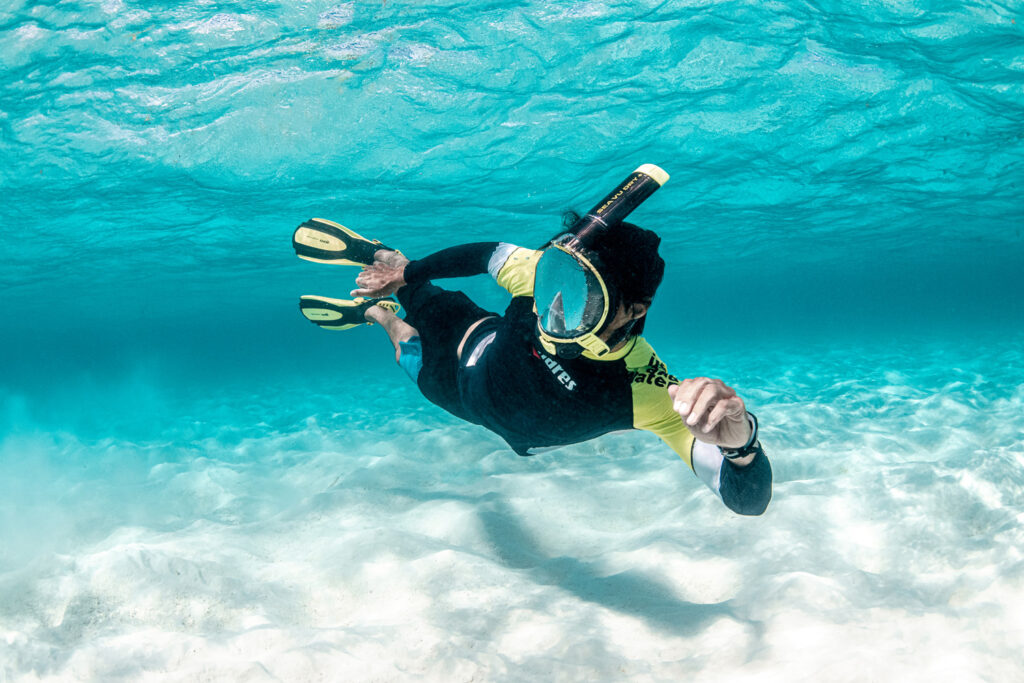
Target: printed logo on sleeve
<point x="656" y="373"/>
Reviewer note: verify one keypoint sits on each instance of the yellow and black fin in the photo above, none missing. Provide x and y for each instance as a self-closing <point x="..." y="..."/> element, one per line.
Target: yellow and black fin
<point x="324" y="241"/>
<point x="341" y="314"/>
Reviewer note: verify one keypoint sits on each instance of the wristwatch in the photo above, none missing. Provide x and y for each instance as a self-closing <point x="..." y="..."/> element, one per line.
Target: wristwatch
<point x="752" y="446"/>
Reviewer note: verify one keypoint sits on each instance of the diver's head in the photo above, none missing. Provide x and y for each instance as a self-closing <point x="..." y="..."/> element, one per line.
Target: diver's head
<point x="633" y="270"/>
<point x="593" y="294"/>
<point x="594" y="281"/>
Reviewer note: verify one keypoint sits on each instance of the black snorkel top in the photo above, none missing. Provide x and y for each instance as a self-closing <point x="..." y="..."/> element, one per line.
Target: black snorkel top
<point x="620" y="202"/>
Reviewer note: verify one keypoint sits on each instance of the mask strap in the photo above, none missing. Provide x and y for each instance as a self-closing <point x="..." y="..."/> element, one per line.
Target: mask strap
<point x="621" y="334"/>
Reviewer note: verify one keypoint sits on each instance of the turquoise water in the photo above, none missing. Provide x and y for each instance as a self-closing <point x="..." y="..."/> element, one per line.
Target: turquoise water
<point x="196" y="482"/>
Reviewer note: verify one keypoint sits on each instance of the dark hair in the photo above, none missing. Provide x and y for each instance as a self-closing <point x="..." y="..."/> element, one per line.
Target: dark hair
<point x="631" y="265"/>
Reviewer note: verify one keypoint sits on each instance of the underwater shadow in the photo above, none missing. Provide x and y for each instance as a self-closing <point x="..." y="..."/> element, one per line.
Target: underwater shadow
<point x="628" y="592"/>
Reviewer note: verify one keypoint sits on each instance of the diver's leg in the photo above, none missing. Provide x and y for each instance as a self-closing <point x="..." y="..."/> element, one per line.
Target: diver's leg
<point x="439" y="318"/>
<point x="404" y="337"/>
<point x="398" y="330"/>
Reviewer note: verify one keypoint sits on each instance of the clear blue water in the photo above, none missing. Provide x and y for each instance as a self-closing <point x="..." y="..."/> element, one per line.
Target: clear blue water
<point x="194" y="481"/>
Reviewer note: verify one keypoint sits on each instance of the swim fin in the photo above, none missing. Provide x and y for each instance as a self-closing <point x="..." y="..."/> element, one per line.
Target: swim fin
<point x="341" y="314"/>
<point x="325" y="241"/>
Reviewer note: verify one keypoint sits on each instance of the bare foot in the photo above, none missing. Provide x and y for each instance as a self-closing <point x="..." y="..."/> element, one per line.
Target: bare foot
<point x="377" y="314"/>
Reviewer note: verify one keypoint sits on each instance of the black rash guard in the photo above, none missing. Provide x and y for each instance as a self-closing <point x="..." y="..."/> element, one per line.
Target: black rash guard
<point x="532" y="400"/>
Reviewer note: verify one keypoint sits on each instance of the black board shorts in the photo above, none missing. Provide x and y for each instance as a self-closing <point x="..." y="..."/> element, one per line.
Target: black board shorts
<point x="442" y="317"/>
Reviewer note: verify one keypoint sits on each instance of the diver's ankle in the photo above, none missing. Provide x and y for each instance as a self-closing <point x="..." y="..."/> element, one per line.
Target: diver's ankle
<point x="373" y="313"/>
<point x="390" y="257"/>
<point x="379" y="314"/>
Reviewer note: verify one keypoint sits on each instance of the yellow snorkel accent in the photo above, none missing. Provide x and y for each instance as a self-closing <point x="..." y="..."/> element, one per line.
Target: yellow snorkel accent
<point x="655" y="172"/>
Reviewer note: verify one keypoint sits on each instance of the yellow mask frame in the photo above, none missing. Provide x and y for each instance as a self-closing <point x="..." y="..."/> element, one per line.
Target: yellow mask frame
<point x="583" y="336"/>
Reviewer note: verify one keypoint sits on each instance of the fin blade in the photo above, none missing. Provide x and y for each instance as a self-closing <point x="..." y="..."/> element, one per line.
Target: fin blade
<point x="341" y="314"/>
<point x="323" y="241"/>
<point x="330" y="314"/>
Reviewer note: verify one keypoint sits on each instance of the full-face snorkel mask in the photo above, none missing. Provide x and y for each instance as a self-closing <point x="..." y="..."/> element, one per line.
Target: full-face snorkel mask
<point x="571" y="298"/>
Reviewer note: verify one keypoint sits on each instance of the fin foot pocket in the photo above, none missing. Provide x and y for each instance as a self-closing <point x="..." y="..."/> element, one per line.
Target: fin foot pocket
<point x="323" y="241"/>
<point x="341" y="314"/>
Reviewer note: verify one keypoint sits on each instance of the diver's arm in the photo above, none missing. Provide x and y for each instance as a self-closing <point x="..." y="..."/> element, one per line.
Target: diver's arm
<point x="511" y="267"/>
<point x="464" y="260"/>
<point x="745" y="489"/>
<point x="726" y="453"/>
<point x="386" y="277"/>
<point x="744" y="484"/>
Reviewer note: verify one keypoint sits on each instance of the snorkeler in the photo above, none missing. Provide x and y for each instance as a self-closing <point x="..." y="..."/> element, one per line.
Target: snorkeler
<point x="566" y="362"/>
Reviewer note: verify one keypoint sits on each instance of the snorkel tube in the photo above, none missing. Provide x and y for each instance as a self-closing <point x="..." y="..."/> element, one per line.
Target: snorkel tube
<point x="621" y="202"/>
<point x="571" y="297"/>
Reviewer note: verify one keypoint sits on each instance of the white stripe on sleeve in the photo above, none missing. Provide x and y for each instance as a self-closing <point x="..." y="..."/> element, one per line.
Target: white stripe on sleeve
<point x="707" y="463"/>
<point x="499" y="257"/>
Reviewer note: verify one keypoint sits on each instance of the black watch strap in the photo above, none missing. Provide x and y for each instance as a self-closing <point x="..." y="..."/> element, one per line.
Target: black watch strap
<point x="752" y="446"/>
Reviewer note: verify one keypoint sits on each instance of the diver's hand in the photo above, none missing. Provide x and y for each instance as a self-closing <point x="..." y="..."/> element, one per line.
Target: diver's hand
<point x="380" y="279"/>
<point x="712" y="411"/>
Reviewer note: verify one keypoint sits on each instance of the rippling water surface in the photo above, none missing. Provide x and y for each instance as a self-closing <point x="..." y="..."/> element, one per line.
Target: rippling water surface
<point x="196" y="483"/>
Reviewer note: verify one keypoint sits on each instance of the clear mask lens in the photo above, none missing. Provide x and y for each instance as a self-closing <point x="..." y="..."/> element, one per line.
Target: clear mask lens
<point x="569" y="298"/>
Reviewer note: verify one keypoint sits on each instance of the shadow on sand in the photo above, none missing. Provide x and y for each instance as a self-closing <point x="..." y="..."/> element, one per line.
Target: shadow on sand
<point x="628" y="592"/>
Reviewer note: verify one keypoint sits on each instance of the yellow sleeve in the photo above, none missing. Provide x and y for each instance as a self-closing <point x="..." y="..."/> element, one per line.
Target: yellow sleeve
<point x="652" y="406"/>
<point x="517" y="272"/>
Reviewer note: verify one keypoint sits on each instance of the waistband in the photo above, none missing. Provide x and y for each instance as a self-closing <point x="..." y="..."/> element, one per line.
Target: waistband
<point x="478" y="342"/>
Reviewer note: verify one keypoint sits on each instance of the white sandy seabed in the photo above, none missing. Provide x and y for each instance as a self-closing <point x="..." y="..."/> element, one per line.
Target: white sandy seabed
<point x="384" y="542"/>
